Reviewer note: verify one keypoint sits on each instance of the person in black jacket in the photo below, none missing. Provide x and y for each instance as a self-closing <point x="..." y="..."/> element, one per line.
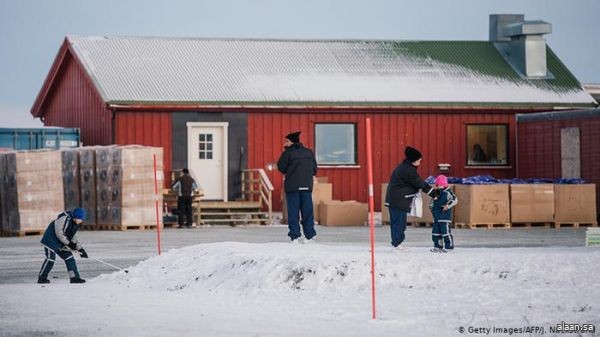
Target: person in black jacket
<point x="299" y="165"/>
<point x="404" y="184"/>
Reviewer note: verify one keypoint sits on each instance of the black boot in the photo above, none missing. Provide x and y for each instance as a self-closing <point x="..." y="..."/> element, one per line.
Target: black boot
<point x="77" y="280"/>
<point x="43" y="280"/>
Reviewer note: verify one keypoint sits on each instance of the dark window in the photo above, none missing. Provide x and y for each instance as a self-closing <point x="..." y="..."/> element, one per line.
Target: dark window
<point x="335" y="144"/>
<point x="487" y="145"/>
<point x="205" y="146"/>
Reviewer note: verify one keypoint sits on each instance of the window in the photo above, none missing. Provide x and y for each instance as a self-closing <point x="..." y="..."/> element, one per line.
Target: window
<point x="205" y="146"/>
<point x="487" y="145"/>
<point x="335" y="144"/>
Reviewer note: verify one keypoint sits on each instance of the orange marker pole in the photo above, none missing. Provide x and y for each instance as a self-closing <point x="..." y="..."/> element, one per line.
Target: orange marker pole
<point x="371" y="212"/>
<point x="156" y="202"/>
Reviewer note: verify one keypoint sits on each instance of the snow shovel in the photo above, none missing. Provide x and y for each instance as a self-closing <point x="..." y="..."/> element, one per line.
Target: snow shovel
<point x="108" y="264"/>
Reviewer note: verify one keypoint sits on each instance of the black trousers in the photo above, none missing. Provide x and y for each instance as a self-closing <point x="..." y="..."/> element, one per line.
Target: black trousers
<point x="184" y="210"/>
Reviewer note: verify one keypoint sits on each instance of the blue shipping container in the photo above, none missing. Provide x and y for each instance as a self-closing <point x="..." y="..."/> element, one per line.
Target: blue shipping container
<point x="38" y="138"/>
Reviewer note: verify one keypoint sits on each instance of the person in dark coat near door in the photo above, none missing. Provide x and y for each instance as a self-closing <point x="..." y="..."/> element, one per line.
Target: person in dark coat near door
<point x="299" y="165"/>
<point x="404" y="184"/>
<point x="185" y="187"/>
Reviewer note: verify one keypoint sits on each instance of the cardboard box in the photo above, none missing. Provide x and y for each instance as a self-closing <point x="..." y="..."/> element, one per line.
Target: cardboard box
<point x="482" y="204"/>
<point x="575" y="203"/>
<point x="343" y="213"/>
<point x="532" y="203"/>
<point x="321" y="192"/>
<point x="321" y="180"/>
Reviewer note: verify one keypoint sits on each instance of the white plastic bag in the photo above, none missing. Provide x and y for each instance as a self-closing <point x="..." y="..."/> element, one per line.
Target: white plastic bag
<point x="416" y="207"/>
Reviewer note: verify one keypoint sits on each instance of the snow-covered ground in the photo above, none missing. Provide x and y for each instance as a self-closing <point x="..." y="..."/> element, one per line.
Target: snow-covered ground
<point x="280" y="289"/>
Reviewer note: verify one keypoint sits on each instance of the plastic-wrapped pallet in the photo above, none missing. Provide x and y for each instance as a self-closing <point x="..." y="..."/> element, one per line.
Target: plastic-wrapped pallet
<point x="592" y="237"/>
<point x="125" y="185"/>
<point x="70" y="171"/>
<point x="32" y="192"/>
<point x="87" y="183"/>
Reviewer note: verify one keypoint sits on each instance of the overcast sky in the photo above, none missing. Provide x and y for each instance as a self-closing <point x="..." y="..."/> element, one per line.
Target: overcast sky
<point x="31" y="31"/>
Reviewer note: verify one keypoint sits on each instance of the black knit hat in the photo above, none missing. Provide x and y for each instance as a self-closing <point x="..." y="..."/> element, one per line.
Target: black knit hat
<point x="412" y="154"/>
<point x="294" y="137"/>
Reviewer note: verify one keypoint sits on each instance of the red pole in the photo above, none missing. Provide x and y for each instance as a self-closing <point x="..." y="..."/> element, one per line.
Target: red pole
<point x="156" y="203"/>
<point x="371" y="212"/>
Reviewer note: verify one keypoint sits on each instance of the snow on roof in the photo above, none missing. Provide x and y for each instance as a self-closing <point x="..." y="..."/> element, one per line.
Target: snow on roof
<point x="167" y="70"/>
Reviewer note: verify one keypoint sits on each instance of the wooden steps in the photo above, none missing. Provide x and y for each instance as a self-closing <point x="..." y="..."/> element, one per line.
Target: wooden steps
<point x="232" y="213"/>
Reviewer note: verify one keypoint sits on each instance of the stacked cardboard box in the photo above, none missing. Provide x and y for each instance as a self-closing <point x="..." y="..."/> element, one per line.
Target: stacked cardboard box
<point x="125" y="185"/>
<point x="575" y="203"/>
<point x="530" y="203"/>
<point x="32" y="190"/>
<point x="343" y="213"/>
<point x="482" y="204"/>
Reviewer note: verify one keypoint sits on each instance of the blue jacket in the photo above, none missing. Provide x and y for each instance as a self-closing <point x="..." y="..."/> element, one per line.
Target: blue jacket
<point x="446" y="198"/>
<point x="60" y="232"/>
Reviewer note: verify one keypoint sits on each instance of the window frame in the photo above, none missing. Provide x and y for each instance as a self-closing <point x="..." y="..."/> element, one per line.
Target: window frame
<point x="506" y="136"/>
<point x="355" y="129"/>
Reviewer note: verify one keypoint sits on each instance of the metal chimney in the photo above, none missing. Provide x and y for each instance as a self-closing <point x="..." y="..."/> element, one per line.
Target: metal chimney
<point x="521" y="43"/>
<point x="499" y="21"/>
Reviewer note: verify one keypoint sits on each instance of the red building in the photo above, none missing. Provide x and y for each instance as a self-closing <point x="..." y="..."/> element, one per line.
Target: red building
<point x="221" y="105"/>
<point x="560" y="144"/>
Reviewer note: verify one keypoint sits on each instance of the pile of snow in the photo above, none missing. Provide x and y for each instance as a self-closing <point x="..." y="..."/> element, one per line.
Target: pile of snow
<point x="283" y="267"/>
<point x="280" y="289"/>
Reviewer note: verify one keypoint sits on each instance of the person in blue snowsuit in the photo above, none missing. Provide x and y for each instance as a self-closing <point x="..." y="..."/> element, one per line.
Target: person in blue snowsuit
<point x="441" y="209"/>
<point x="60" y="238"/>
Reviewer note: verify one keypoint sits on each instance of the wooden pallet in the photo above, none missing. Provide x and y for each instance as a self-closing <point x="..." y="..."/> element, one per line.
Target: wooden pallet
<point x="531" y="224"/>
<point x="113" y="227"/>
<point x="482" y="225"/>
<point x="23" y="233"/>
<point x="575" y="224"/>
<point x="234" y="222"/>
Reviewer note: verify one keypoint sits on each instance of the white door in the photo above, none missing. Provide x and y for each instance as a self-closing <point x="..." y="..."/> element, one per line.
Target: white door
<point x="207" y="157"/>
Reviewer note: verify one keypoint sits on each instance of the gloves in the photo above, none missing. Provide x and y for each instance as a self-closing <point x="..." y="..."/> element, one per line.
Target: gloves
<point x="72" y="245"/>
<point x="83" y="253"/>
<point x="435" y="193"/>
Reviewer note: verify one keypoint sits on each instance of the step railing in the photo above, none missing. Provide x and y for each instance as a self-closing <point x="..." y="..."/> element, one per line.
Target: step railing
<point x="256" y="186"/>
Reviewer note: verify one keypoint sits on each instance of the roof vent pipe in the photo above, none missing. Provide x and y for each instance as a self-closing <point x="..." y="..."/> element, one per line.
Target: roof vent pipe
<point x="521" y="43"/>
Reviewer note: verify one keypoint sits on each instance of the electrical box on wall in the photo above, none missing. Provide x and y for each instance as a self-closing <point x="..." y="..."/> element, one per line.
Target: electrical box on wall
<point x="444" y="167"/>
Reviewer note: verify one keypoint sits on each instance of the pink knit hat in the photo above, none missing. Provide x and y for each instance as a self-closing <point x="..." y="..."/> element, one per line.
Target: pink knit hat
<point x="441" y="181"/>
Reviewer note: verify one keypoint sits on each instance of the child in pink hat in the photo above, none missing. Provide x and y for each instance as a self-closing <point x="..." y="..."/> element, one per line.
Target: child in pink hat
<point x="441" y="209"/>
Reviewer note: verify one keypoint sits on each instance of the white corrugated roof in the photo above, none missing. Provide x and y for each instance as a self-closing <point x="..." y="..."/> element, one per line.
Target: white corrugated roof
<point x="188" y="70"/>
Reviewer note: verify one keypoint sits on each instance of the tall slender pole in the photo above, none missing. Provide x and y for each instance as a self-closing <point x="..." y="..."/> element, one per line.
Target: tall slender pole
<point x="371" y="213"/>
<point x="156" y="203"/>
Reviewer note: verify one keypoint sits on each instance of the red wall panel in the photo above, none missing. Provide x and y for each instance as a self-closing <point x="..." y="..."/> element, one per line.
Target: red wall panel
<point x="539" y="152"/>
<point x="74" y="102"/>
<point x="440" y="136"/>
<point x="146" y="128"/>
